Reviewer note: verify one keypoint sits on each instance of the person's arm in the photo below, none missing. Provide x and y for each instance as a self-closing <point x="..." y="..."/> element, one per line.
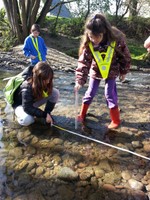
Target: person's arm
<point x="147" y="44"/>
<point x="84" y="64"/>
<point x="27" y="49"/>
<point x="124" y="58"/>
<point x="28" y="101"/>
<point x="44" y="47"/>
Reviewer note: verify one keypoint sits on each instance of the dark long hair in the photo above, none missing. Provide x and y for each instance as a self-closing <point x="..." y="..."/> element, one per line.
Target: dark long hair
<point x="99" y="24"/>
<point x="42" y="72"/>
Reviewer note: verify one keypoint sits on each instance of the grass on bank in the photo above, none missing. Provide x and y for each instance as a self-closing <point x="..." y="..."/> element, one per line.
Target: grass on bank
<point x="74" y="27"/>
<point x="138" y="52"/>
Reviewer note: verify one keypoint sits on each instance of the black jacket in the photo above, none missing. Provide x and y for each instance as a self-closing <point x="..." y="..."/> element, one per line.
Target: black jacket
<point x="24" y="96"/>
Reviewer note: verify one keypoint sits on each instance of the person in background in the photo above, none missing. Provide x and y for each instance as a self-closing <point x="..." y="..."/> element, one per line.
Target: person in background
<point x="147" y="44"/>
<point x="103" y="54"/>
<point x="34" y="46"/>
<point x="34" y="92"/>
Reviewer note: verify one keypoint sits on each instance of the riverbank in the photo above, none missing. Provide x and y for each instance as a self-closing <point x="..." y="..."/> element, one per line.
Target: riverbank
<point x="15" y="60"/>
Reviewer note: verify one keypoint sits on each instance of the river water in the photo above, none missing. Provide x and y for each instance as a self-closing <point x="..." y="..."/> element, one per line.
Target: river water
<point x="40" y="162"/>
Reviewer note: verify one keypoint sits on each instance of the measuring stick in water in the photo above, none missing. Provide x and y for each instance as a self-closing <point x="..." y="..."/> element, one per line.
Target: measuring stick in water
<point x="76" y="109"/>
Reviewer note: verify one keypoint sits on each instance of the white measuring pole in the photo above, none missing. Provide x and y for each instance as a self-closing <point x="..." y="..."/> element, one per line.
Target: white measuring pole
<point x="76" y="109"/>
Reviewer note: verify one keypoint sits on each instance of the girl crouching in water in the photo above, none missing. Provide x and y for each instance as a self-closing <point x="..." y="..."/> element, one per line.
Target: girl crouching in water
<point x="33" y="93"/>
<point x="103" y="54"/>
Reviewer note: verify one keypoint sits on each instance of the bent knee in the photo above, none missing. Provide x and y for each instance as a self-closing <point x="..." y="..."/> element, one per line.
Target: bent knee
<point x="26" y="121"/>
<point x="55" y="95"/>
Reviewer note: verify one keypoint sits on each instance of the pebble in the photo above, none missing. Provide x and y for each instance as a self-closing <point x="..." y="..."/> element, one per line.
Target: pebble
<point x="67" y="174"/>
<point x="136" y="185"/>
<point x="126" y="175"/>
<point x="109" y="187"/>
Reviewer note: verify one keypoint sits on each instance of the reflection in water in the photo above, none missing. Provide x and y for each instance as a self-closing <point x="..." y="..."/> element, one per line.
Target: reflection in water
<point x="1" y="131"/>
<point x="9" y="112"/>
<point x="2" y="161"/>
<point x="138" y="79"/>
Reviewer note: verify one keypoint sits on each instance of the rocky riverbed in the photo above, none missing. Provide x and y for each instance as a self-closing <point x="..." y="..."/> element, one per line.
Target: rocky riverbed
<point x="44" y="163"/>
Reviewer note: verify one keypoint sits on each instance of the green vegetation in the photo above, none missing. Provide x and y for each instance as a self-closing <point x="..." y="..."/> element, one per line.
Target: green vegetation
<point x="138" y="52"/>
<point x="7" y="40"/>
<point x="134" y="28"/>
<point x="66" y="34"/>
<point x="72" y="27"/>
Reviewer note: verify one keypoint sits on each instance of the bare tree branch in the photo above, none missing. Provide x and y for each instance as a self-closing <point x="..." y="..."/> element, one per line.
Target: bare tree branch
<point x="44" y="11"/>
<point x="34" y="12"/>
<point x="60" y="4"/>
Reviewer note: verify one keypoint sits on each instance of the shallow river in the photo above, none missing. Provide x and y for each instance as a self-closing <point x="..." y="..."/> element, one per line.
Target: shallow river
<point x="41" y="162"/>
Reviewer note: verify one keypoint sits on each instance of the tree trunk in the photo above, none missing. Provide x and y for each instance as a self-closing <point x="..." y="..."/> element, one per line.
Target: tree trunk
<point x="23" y="7"/>
<point x="88" y="9"/>
<point x="133" y="8"/>
<point x="34" y="11"/>
<point x="22" y="14"/>
<point x="44" y="11"/>
<point x="54" y="28"/>
<point x="16" y="20"/>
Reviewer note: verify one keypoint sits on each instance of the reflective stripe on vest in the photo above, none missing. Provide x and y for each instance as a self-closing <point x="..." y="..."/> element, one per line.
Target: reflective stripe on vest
<point x="45" y="94"/>
<point x="103" y="64"/>
<point x="35" y="43"/>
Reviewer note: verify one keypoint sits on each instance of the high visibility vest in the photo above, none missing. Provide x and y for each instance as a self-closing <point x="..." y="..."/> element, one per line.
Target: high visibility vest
<point x="103" y="64"/>
<point x="35" y="43"/>
<point x="45" y="94"/>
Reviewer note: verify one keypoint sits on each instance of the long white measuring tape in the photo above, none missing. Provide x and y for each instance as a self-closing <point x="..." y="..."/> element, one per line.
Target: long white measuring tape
<point x="98" y="141"/>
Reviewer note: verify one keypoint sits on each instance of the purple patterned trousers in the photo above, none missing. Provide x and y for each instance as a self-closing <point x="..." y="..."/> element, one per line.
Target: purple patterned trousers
<point x="110" y="92"/>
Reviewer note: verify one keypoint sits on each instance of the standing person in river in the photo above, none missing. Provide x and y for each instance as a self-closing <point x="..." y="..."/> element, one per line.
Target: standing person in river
<point x="34" y="92"/>
<point x="34" y="46"/>
<point x="103" y="54"/>
<point x="147" y="44"/>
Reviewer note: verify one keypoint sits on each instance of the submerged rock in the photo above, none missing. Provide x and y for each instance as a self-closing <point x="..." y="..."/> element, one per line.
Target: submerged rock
<point x="67" y="173"/>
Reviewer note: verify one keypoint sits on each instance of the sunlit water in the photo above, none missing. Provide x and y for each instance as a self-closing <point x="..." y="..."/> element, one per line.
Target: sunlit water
<point x="65" y="83"/>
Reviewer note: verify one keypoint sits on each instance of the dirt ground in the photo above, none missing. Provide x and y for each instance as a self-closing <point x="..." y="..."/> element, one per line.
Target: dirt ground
<point x="62" y="43"/>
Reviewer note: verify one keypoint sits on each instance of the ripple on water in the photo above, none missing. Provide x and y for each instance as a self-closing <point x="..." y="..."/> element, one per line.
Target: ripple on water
<point x="3" y="155"/>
